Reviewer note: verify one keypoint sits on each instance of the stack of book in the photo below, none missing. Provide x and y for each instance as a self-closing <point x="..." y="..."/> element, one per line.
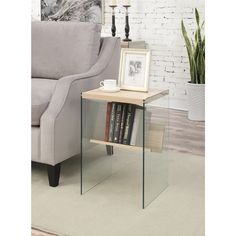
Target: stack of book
<point x="124" y="124"/>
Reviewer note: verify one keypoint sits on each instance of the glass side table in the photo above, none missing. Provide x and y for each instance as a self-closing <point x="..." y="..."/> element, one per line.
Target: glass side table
<point x="149" y="141"/>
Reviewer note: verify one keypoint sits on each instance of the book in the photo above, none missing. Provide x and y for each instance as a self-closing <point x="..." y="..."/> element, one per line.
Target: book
<point x="138" y="120"/>
<point x="112" y="122"/>
<point x="107" y="124"/>
<point x="129" y="124"/>
<point x="122" y="124"/>
<point x="117" y="122"/>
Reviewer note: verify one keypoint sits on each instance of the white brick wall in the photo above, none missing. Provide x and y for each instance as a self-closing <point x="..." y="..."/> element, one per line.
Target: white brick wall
<point x="35" y="9"/>
<point x="158" y="23"/>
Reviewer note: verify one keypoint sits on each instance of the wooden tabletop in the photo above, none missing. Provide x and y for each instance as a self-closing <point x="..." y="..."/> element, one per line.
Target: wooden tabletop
<point x="133" y="97"/>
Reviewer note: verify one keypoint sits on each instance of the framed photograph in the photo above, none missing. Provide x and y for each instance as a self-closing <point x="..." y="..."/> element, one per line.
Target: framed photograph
<point x="134" y="69"/>
<point x="73" y="10"/>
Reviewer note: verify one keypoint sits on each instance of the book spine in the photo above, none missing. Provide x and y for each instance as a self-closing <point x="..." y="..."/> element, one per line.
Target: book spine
<point x="112" y="122"/>
<point x="108" y="115"/>
<point x="117" y="122"/>
<point x="129" y="124"/>
<point x="122" y="124"/>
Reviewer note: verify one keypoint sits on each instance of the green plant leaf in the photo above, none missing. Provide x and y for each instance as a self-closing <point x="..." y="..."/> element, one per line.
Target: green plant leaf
<point x="196" y="52"/>
<point x="189" y="49"/>
<point x="198" y="36"/>
<point x="197" y="16"/>
<point x="203" y="23"/>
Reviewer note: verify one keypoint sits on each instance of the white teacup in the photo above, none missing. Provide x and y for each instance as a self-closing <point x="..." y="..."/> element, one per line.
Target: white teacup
<point x="108" y="84"/>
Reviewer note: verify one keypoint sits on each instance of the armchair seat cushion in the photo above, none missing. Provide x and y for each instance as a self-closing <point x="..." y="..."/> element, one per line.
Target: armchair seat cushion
<point x="41" y="93"/>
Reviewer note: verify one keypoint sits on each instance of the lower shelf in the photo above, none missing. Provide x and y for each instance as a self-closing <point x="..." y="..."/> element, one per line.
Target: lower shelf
<point x="134" y="148"/>
<point x="154" y="140"/>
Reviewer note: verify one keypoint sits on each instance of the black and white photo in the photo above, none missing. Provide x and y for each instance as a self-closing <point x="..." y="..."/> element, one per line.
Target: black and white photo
<point x="134" y="69"/>
<point x="72" y="10"/>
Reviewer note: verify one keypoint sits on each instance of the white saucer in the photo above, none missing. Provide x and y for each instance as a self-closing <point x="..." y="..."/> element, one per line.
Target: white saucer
<point x="112" y="90"/>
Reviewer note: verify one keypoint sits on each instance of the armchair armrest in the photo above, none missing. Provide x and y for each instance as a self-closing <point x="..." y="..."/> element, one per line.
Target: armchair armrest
<point x="60" y="123"/>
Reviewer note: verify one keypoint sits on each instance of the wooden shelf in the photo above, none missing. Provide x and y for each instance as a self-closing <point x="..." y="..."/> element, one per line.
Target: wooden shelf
<point x="132" y="148"/>
<point x="138" y="98"/>
<point x="154" y="142"/>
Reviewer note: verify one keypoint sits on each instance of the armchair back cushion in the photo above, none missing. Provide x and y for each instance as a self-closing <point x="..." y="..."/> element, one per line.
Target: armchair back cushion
<point x="63" y="48"/>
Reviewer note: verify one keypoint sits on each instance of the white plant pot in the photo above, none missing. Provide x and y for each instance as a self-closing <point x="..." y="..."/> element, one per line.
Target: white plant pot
<point x="196" y="101"/>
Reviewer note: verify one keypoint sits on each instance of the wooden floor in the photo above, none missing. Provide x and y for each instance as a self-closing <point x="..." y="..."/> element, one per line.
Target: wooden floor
<point x="185" y="136"/>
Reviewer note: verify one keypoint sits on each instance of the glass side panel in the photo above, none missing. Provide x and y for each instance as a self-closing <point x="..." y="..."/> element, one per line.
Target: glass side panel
<point x="96" y="164"/>
<point x="155" y="153"/>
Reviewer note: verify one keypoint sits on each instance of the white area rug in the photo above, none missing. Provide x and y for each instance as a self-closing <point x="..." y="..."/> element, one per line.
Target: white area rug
<point x="113" y="208"/>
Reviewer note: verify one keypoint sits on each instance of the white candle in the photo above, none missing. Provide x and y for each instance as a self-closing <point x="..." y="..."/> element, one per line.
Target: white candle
<point x="113" y="3"/>
<point x="126" y="3"/>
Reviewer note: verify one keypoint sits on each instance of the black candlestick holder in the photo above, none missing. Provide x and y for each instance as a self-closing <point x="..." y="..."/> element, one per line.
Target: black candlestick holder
<point x="113" y="27"/>
<point x="127" y="28"/>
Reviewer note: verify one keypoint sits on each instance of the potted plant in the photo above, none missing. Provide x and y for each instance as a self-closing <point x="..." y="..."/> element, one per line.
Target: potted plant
<point x="196" y="56"/>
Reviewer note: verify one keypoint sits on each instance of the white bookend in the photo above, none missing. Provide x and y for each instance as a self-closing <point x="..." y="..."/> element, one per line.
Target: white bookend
<point x="137" y="132"/>
<point x="138" y="118"/>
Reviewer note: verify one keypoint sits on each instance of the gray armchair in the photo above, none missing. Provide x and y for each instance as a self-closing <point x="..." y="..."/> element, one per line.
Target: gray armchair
<point x="67" y="59"/>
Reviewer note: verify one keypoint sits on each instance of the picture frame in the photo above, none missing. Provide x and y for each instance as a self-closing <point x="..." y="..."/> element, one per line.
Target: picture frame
<point x="134" y="69"/>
